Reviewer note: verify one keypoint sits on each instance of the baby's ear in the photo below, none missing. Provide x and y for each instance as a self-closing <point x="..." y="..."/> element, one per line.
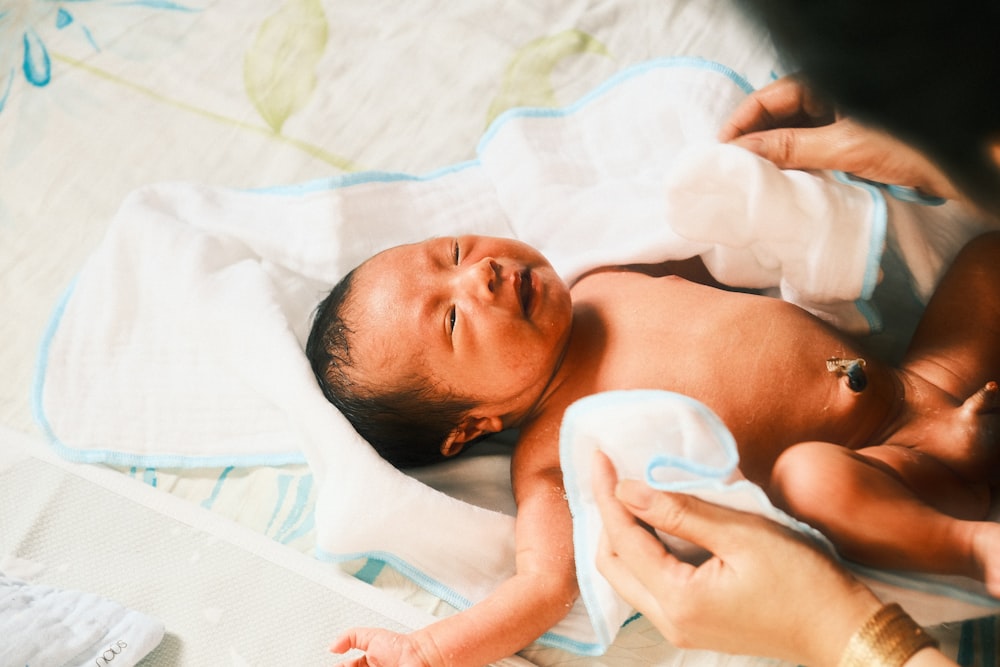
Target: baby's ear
<point x="469" y="429"/>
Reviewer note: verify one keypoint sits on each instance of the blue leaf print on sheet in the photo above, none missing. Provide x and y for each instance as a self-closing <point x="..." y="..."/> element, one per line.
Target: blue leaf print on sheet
<point x="158" y="4"/>
<point x="23" y="22"/>
<point x="63" y="18"/>
<point x="299" y="519"/>
<point x="37" y="64"/>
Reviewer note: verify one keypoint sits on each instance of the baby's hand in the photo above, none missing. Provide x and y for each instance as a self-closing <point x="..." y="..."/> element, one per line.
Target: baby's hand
<point x="382" y="648"/>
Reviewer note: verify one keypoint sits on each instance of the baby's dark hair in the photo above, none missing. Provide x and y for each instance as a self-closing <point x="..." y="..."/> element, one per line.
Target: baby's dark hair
<point x="406" y="424"/>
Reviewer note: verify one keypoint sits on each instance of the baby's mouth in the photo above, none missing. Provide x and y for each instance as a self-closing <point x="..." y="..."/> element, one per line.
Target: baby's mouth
<point x="526" y="292"/>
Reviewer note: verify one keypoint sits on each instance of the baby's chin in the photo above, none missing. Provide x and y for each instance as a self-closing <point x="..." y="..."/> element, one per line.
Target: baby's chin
<point x="554" y="309"/>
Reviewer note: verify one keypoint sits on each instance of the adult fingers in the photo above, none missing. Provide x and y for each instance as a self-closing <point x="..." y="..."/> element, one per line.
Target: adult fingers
<point x="852" y="147"/>
<point x="619" y="573"/>
<point x="786" y="102"/>
<point x="831" y="146"/>
<point x="617" y="520"/>
<point x="628" y="550"/>
<point x="603" y="481"/>
<point x="718" y="529"/>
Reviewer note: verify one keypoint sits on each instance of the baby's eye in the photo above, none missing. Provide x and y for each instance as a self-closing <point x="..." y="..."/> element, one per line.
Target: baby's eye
<point x="452" y="316"/>
<point x="458" y="253"/>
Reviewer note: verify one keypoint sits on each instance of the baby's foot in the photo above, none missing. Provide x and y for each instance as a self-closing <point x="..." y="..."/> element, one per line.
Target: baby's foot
<point x="965" y="437"/>
<point x="979" y="431"/>
<point x="984" y="400"/>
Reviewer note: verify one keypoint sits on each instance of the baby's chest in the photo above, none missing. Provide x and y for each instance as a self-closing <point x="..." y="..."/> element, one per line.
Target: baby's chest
<point x="749" y="365"/>
<point x="664" y="340"/>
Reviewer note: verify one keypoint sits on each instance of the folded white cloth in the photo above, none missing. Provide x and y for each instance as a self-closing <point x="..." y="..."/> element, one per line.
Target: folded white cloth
<point x="180" y="342"/>
<point x="43" y="626"/>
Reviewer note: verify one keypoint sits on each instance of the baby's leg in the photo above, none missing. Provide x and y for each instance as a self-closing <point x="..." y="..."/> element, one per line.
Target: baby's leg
<point x="866" y="502"/>
<point x="964" y="435"/>
<point x="957" y="344"/>
<point x="956" y="350"/>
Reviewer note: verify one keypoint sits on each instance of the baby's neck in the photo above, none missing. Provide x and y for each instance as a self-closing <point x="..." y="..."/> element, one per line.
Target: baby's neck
<point x="574" y="363"/>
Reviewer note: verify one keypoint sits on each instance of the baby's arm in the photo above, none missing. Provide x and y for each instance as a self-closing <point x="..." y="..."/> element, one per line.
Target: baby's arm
<point x="519" y="611"/>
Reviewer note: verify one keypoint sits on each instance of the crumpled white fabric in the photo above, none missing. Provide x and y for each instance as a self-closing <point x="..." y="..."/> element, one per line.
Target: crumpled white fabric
<point x="44" y="626"/>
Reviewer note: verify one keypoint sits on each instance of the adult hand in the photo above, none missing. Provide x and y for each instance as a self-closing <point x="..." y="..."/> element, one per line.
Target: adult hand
<point x="765" y="591"/>
<point x="789" y="125"/>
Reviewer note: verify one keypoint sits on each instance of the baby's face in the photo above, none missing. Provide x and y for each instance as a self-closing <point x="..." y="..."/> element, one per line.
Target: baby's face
<point x="485" y="318"/>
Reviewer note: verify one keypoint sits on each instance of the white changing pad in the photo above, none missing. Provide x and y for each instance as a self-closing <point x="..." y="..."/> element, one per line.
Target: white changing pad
<point x="180" y="342"/>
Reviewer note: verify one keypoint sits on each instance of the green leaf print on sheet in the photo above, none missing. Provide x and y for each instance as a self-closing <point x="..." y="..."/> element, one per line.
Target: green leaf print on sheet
<point x="279" y="69"/>
<point x="528" y="79"/>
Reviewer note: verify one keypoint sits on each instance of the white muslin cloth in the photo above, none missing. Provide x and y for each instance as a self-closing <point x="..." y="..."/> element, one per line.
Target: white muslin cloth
<point x="44" y="626"/>
<point x="180" y="342"/>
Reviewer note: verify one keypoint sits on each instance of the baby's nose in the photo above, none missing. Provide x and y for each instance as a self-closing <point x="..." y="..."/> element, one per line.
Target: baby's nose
<point x="481" y="279"/>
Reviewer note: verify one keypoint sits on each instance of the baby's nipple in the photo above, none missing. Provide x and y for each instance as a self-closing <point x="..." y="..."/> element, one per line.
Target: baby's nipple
<point x="852" y="369"/>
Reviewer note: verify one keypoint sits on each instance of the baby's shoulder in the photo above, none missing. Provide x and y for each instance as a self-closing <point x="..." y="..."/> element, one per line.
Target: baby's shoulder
<point x="612" y="290"/>
<point x="614" y="279"/>
<point x="538" y="443"/>
<point x="692" y="269"/>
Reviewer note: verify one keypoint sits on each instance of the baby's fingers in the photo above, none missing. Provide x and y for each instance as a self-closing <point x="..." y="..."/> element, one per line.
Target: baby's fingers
<point x="358" y="638"/>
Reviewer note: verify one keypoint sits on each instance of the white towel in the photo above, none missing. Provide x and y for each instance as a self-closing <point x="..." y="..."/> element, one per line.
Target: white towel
<point x="180" y="342"/>
<point x="674" y="443"/>
<point x="42" y="626"/>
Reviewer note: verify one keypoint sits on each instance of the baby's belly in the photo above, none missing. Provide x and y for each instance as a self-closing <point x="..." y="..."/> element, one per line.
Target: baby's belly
<point x="768" y="374"/>
<point x="850" y="405"/>
<point x="760" y="364"/>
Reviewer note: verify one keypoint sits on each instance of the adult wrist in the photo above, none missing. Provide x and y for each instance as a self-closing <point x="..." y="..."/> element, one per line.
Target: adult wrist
<point x="889" y="638"/>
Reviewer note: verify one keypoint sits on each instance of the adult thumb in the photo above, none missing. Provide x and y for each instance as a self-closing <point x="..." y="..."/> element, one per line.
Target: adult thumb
<point x="801" y="148"/>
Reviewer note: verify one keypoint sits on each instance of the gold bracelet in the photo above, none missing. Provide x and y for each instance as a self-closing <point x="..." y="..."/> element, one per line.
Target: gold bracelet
<point x="888" y="639"/>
